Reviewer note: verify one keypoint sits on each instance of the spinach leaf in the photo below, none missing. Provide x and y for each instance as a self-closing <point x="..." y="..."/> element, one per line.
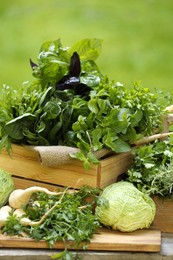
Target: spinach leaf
<point x="16" y="127"/>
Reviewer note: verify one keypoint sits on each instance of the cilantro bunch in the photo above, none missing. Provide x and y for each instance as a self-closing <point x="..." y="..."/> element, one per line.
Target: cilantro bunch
<point x="152" y="171"/>
<point x="71" y="103"/>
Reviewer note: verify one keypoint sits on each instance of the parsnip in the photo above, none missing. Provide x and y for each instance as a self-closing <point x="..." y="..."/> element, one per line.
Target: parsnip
<point x="25" y="221"/>
<point x="169" y="108"/>
<point x="20" y="198"/>
<point x="4" y="213"/>
<point x="20" y="213"/>
<point x="149" y="139"/>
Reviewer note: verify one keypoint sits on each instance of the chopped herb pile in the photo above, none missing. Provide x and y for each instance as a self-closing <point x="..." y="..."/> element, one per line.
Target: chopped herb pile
<point x="152" y="171"/>
<point x="71" y="103"/>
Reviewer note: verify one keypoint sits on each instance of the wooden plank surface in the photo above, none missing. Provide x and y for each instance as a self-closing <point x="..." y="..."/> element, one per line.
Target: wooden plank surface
<point x="163" y="220"/>
<point x="22" y="183"/>
<point x="104" y="240"/>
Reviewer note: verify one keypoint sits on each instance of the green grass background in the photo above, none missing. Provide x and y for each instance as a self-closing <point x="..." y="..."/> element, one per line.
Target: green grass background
<point x="137" y="37"/>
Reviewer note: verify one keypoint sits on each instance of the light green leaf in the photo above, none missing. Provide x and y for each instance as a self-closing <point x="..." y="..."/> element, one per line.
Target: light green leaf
<point x="88" y="49"/>
<point x="149" y="165"/>
<point x="117" y="145"/>
<point x="93" y="106"/>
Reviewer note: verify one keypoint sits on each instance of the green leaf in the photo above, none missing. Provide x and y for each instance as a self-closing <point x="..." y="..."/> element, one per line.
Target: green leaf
<point x="87" y="165"/>
<point x="149" y="165"/>
<point x="116" y="144"/>
<point x="5" y="142"/>
<point x="51" y="46"/>
<point x="80" y="124"/>
<point x="136" y="117"/>
<point x="53" y="134"/>
<point x="40" y="127"/>
<point x="152" y="168"/>
<point x="84" y="142"/>
<point x="90" y="80"/>
<point x="53" y="50"/>
<point x="51" y="110"/>
<point x="78" y="155"/>
<point x="15" y="127"/>
<point x="93" y="106"/>
<point x="58" y="255"/>
<point x="53" y="71"/>
<point x="92" y="158"/>
<point x="117" y="121"/>
<point x="104" y="105"/>
<point x="46" y="96"/>
<point x="88" y="49"/>
<point x="130" y="135"/>
<point x="96" y="139"/>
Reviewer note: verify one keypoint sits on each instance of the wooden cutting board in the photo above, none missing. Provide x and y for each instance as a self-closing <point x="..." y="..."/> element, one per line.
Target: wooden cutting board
<point x="104" y="240"/>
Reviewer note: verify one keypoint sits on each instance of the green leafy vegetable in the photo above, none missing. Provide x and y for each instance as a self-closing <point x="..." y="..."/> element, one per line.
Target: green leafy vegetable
<point x="152" y="171"/>
<point x="123" y="207"/>
<point x="7" y="186"/>
<point x="88" y="49"/>
<point x="71" y="220"/>
<point x="17" y="126"/>
<point x="71" y="103"/>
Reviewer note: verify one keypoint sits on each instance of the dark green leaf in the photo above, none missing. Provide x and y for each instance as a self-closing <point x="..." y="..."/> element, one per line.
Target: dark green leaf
<point x="16" y="126"/>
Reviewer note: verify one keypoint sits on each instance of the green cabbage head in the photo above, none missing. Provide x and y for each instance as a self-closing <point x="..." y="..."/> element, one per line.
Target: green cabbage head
<point x="123" y="207"/>
<point x="6" y="186"/>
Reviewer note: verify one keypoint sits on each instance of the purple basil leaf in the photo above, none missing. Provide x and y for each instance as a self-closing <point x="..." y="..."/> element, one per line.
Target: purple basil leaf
<point x="75" y="67"/>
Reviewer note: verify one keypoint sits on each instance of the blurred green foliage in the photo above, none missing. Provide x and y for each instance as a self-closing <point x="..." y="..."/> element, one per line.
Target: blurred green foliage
<point x="137" y="37"/>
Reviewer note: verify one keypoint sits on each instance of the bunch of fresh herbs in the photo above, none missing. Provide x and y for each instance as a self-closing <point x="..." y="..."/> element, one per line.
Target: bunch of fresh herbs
<point x="71" y="103"/>
<point x="152" y="171"/>
<point x="72" y="219"/>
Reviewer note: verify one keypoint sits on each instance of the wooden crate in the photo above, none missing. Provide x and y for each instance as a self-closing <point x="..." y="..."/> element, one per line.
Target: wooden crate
<point x="163" y="220"/>
<point x="25" y="166"/>
<point x="26" y="169"/>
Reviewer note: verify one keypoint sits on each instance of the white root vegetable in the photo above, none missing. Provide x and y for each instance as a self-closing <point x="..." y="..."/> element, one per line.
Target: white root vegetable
<point x="21" y="214"/>
<point x="20" y="198"/>
<point x="149" y="139"/>
<point x="4" y="213"/>
<point x="169" y="108"/>
<point x="25" y="221"/>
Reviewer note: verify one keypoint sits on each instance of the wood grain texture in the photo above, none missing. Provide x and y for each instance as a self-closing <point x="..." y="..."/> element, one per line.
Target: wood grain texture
<point x="25" y="163"/>
<point x="105" y="239"/>
<point x="163" y="220"/>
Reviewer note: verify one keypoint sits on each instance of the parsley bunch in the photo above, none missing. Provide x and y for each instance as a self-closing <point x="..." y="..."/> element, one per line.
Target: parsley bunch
<point x="152" y="171"/>
<point x="73" y="219"/>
